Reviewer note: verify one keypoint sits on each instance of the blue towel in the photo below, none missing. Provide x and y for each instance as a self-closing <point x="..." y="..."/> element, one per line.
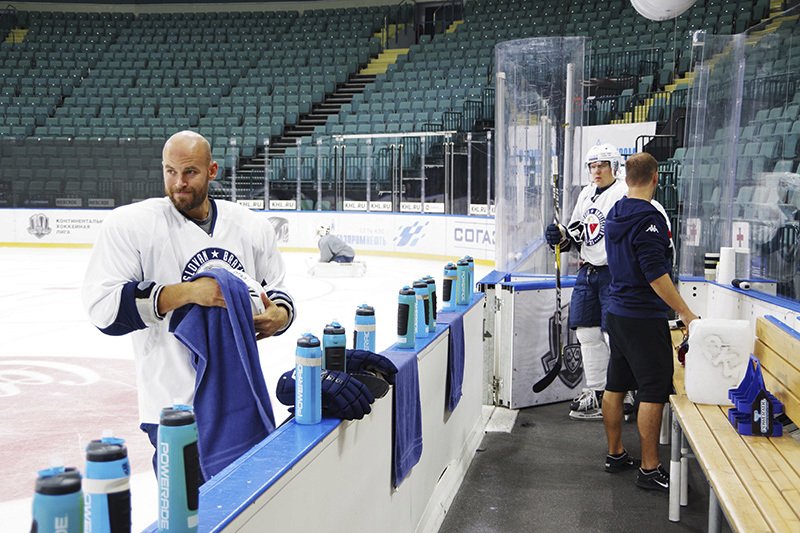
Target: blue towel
<point x="231" y="402"/>
<point x="455" y="357"/>
<point x="406" y="414"/>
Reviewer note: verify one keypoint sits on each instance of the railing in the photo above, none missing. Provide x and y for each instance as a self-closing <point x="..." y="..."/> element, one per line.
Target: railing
<point x="667" y="195"/>
<point x="638" y="63"/>
<point x="402" y="13"/>
<point x="444" y="15"/>
<point x="436" y="172"/>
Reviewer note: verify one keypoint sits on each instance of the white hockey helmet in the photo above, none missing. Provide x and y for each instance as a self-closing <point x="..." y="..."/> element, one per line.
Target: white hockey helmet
<point x="604" y="152"/>
<point x="323" y="230"/>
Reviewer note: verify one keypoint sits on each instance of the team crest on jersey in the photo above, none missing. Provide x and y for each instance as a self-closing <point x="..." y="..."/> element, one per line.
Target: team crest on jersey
<point x="209" y="258"/>
<point x="595" y="223"/>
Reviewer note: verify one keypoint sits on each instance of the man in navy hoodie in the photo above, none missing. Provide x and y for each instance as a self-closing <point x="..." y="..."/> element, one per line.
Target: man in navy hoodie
<point x="641" y="293"/>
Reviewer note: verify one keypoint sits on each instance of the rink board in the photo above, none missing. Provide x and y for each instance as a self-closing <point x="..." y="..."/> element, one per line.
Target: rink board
<point x="519" y="353"/>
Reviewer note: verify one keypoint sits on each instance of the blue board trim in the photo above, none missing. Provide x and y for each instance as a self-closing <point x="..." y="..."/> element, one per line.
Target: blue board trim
<point x="544" y="283"/>
<point x="783" y="326"/>
<point x="242" y="482"/>
<point x="780" y="301"/>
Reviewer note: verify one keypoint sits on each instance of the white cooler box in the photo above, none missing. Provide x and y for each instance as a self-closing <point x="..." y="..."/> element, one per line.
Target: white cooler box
<point x="719" y="350"/>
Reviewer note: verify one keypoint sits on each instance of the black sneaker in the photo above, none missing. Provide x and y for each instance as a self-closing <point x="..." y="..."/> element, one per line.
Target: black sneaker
<point x="620" y="462"/>
<point x="657" y="479"/>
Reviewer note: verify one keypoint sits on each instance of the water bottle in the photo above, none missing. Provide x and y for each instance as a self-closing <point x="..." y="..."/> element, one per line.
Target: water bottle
<point x="449" y="288"/>
<point x="471" y="284"/>
<point x="106" y="488"/>
<point x="334" y="343"/>
<point x="58" y="501"/>
<point x="406" y="320"/>
<point x="431" y="302"/>
<point x="178" y="470"/>
<point x="364" y="331"/>
<point x="308" y="380"/>
<point x="421" y="294"/>
<point x="462" y="282"/>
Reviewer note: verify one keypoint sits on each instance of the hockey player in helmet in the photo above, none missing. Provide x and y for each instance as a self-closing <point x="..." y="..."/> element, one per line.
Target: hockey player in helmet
<point x="585" y="232"/>
<point x="332" y="249"/>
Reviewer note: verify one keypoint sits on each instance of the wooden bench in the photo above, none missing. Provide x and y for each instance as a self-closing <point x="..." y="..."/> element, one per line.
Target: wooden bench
<point x="754" y="481"/>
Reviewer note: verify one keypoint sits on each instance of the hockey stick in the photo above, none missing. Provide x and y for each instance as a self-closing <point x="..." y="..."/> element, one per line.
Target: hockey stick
<point x="548" y="378"/>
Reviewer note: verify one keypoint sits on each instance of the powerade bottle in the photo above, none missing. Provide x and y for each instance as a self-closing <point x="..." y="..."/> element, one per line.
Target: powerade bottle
<point x="107" y="494"/>
<point x="334" y="343"/>
<point x="364" y="331"/>
<point x="462" y="282"/>
<point x="178" y="470"/>
<point x="421" y="292"/>
<point x="471" y="284"/>
<point x="431" y="302"/>
<point x="58" y="501"/>
<point x="406" y="320"/>
<point x="449" y="287"/>
<point x="308" y="380"/>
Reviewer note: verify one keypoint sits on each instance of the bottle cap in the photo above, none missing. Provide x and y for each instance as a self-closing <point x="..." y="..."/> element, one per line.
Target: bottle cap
<point x="308" y="341"/>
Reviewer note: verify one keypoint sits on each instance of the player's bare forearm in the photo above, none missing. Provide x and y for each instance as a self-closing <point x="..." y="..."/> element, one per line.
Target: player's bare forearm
<point x="203" y="291"/>
<point x="273" y="319"/>
<point x="665" y="290"/>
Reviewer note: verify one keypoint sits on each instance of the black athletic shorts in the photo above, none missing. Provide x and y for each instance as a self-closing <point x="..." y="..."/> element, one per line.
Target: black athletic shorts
<point x="641" y="357"/>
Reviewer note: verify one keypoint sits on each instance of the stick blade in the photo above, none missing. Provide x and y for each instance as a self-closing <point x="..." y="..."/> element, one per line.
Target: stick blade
<point x="545" y="382"/>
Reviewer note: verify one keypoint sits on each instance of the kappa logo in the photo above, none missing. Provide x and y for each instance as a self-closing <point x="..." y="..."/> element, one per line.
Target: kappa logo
<point x="652" y="229"/>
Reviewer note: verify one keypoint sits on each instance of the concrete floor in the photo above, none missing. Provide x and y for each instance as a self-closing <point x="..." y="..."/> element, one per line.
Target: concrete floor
<point x="547" y="475"/>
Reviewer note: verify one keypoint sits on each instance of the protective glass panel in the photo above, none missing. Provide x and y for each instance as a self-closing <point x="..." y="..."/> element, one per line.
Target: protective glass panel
<point x="739" y="180"/>
<point x="537" y="107"/>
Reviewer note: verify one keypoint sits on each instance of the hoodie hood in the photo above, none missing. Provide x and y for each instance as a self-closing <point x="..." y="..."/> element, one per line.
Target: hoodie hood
<point x="626" y="215"/>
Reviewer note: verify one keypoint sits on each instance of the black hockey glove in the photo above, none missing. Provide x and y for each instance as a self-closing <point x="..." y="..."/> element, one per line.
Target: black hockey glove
<point x="365" y="361"/>
<point x="343" y="396"/>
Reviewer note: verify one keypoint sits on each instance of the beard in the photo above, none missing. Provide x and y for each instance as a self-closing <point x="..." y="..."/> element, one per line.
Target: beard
<point x="186" y="204"/>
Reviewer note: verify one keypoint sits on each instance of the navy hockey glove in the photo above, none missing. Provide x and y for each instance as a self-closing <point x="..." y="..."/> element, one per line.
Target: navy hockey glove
<point x="359" y="361"/>
<point x="343" y="396"/>
<point x="553" y="235"/>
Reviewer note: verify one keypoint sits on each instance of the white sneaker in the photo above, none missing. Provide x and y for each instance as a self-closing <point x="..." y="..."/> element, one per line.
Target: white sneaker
<point x="587" y="406"/>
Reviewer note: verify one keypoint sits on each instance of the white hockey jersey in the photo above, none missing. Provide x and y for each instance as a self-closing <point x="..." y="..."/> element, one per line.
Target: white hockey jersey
<point x="151" y="241"/>
<point x="592" y="213"/>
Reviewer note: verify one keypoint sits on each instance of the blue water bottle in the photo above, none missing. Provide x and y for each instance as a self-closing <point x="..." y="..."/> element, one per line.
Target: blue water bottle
<point x="406" y="317"/>
<point x="462" y="282"/>
<point x="179" y="475"/>
<point x="449" y="287"/>
<point x="431" y="302"/>
<point x="107" y="494"/>
<point x="421" y="294"/>
<point x="58" y="501"/>
<point x="471" y="286"/>
<point x="364" y="331"/>
<point x="334" y="343"/>
<point x="308" y="380"/>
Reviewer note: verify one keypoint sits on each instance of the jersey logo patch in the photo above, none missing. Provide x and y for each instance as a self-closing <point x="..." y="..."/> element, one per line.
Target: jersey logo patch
<point x="595" y="222"/>
<point x="652" y="229"/>
<point x="209" y="258"/>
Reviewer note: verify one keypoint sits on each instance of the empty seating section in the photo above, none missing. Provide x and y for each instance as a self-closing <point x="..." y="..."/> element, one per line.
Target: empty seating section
<point x="251" y="75"/>
<point x="80" y="173"/>
<point x="755" y="162"/>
